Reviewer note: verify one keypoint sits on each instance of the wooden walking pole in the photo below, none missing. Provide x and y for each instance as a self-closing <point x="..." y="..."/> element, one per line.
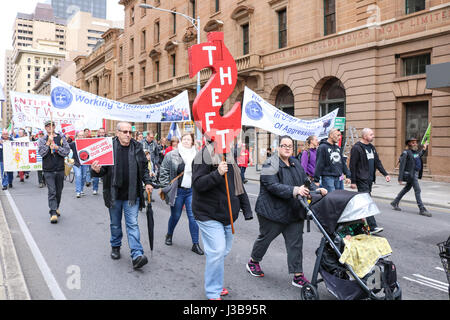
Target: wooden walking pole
<point x="228" y="198"/>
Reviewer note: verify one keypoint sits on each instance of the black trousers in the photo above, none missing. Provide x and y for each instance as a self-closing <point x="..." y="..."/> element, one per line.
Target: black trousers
<point x="293" y="238"/>
<point x="366" y="187"/>
<point x="55" y="185"/>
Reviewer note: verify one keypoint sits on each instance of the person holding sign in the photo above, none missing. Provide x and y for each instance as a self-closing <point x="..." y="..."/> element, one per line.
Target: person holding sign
<point x="53" y="148"/>
<point x="123" y="191"/>
<point x="410" y="171"/>
<point x="209" y="204"/>
<point x="7" y="177"/>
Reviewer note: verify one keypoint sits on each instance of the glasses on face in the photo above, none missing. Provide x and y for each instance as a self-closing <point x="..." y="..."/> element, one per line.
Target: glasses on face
<point x="126" y="132"/>
<point x="285" y="146"/>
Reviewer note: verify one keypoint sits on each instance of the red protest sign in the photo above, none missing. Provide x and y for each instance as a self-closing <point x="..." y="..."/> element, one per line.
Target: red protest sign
<point x="206" y="107"/>
<point x="69" y="129"/>
<point x="95" y="149"/>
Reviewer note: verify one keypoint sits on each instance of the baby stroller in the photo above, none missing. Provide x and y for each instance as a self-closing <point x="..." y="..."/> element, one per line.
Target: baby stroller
<point x="337" y="215"/>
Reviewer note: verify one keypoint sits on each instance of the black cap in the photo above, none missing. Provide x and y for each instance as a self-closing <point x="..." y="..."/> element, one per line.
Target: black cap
<point x="48" y="122"/>
<point x="411" y="139"/>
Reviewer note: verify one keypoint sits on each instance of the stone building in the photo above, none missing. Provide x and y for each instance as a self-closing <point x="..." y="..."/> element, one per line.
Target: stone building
<point x="367" y="58"/>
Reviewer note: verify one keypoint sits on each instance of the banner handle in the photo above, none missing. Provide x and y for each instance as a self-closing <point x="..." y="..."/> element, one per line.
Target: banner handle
<point x="228" y="198"/>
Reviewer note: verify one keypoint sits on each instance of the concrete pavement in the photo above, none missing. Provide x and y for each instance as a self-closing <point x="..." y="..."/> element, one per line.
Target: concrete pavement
<point x="433" y="193"/>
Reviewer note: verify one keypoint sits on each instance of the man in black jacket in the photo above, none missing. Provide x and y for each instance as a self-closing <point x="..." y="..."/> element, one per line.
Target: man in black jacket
<point x="410" y="171"/>
<point x="364" y="162"/>
<point x="330" y="164"/>
<point x="53" y="148"/>
<point x="211" y="211"/>
<point x="123" y="191"/>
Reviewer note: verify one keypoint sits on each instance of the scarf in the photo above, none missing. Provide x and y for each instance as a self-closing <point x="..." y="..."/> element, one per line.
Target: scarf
<point x="118" y="174"/>
<point x="216" y="159"/>
<point x="188" y="156"/>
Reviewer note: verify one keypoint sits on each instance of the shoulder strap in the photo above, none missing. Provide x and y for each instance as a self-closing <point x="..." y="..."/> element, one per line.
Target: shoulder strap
<point x="177" y="177"/>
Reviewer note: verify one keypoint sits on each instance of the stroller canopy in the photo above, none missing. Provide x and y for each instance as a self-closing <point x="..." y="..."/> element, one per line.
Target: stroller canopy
<point x="343" y="206"/>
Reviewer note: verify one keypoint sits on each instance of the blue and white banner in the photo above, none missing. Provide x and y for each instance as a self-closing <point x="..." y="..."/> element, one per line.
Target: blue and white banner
<point x="258" y="113"/>
<point x="69" y="98"/>
<point x="174" y="131"/>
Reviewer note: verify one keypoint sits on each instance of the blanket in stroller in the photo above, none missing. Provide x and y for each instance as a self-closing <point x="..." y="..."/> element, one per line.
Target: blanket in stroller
<point x="363" y="251"/>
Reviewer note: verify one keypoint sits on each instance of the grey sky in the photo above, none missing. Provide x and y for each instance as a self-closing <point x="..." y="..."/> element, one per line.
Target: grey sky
<point x="8" y="14"/>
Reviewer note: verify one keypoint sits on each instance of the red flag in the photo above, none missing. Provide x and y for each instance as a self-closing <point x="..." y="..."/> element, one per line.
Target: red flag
<point x="32" y="156"/>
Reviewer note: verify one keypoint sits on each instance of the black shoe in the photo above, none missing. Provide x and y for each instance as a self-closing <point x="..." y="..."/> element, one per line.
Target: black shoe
<point x="5" y="188"/>
<point x="10" y="185"/>
<point x="88" y="184"/>
<point x="22" y="180"/>
<point x="139" y="262"/>
<point x="245" y="180"/>
<point x="424" y="212"/>
<point x="27" y="176"/>
<point x="395" y="206"/>
<point x="196" y="248"/>
<point x="168" y="239"/>
<point x="115" y="253"/>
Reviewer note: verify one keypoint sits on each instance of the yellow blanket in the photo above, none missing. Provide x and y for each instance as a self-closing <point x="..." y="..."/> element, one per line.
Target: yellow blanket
<point x="363" y="251"/>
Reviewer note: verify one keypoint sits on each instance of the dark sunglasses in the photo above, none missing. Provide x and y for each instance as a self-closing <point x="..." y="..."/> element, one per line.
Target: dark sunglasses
<point x="126" y="131"/>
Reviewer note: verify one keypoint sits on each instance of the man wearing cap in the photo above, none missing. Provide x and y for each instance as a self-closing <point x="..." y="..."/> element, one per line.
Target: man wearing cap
<point x="411" y="169"/>
<point x="53" y="148"/>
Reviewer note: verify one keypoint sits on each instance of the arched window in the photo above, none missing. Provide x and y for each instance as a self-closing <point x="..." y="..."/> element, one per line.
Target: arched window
<point x="285" y="100"/>
<point x="332" y="96"/>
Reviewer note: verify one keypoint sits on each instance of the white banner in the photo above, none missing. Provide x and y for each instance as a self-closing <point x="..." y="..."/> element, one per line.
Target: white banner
<point x="32" y="110"/>
<point x="21" y="156"/>
<point x="259" y="113"/>
<point x="68" y="98"/>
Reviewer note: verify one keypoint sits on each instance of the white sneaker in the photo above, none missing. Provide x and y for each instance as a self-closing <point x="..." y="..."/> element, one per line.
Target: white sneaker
<point x="82" y="193"/>
<point x="95" y="192"/>
<point x="78" y="195"/>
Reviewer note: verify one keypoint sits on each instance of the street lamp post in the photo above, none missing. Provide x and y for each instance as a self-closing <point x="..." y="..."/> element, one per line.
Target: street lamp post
<point x="196" y="24"/>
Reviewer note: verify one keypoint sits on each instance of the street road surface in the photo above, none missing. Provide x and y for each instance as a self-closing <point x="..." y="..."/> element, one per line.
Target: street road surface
<point x="75" y="253"/>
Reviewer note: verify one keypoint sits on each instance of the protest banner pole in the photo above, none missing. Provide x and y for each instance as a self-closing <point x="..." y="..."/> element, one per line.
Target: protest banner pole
<point x="228" y="197"/>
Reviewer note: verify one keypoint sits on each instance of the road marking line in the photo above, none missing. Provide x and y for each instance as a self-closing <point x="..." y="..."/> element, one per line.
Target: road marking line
<point x="440" y="269"/>
<point x="429" y="279"/>
<point x="49" y="278"/>
<point x="426" y="284"/>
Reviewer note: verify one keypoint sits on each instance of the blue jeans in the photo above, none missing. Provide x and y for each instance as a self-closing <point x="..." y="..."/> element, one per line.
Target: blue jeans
<point x="131" y="222"/>
<point x="217" y="240"/>
<point x="7" y="177"/>
<point x="80" y="177"/>
<point x="88" y="174"/>
<point x="332" y="183"/>
<point x="184" y="197"/>
<point x="95" y="182"/>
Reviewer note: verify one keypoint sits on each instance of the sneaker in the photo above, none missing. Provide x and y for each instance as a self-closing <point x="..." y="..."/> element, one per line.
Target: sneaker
<point x="10" y="185"/>
<point x="95" y="192"/>
<point x="78" y="195"/>
<point x="41" y="185"/>
<point x="82" y="193"/>
<point x="5" y="188"/>
<point x="224" y="292"/>
<point x="54" y="219"/>
<point x="376" y="230"/>
<point x="300" y="281"/>
<point x="254" y="269"/>
<point x="395" y="206"/>
<point x="424" y="212"/>
<point x="58" y="213"/>
<point x="88" y="184"/>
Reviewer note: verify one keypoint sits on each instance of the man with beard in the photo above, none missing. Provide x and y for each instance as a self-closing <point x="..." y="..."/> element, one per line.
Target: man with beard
<point x="411" y="169"/>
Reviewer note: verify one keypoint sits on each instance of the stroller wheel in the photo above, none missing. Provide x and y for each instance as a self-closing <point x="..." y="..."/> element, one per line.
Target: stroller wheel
<point x="309" y="292"/>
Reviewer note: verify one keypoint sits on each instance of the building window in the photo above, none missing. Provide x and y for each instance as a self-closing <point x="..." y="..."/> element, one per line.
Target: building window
<point x="143" y="34"/>
<point x="174" y="22"/>
<point x="415" y="65"/>
<point x="332" y="96"/>
<point x="143" y="10"/>
<point x="131" y="82"/>
<point x="282" y="28"/>
<point x="245" y="39"/>
<point x="132" y="16"/>
<point x="414" y="6"/>
<point x="156" y="71"/>
<point x="173" y="60"/>
<point x="142" y="77"/>
<point x="131" y="55"/>
<point x="120" y="55"/>
<point x="329" y="12"/>
<point x="216" y="5"/>
<point x="120" y="86"/>
<point x="157" y="32"/>
<point x="192" y="5"/>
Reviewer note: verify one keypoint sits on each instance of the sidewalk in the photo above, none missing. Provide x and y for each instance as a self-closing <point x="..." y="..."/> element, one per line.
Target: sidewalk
<point x="436" y="194"/>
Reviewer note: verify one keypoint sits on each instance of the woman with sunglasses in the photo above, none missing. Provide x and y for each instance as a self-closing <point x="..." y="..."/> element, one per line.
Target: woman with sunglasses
<point x="279" y="211"/>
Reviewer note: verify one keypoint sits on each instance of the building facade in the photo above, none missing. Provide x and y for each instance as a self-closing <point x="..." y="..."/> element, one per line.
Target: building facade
<point x="64" y="9"/>
<point x="367" y="58"/>
<point x="9" y="69"/>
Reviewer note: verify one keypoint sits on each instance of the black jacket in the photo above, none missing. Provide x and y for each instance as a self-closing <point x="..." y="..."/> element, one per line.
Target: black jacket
<point x="408" y="166"/>
<point x="359" y="164"/>
<point x="209" y="194"/>
<point x="53" y="161"/>
<point x="276" y="200"/>
<point x="107" y="172"/>
<point x="330" y="162"/>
